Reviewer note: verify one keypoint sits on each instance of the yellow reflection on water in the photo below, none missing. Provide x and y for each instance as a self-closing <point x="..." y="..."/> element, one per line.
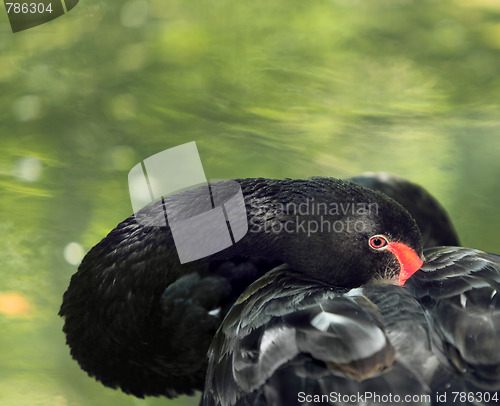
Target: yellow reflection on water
<point x="15" y="304"/>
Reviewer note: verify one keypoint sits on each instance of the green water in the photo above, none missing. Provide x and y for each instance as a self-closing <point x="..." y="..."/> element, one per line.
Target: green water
<point x="281" y="88"/>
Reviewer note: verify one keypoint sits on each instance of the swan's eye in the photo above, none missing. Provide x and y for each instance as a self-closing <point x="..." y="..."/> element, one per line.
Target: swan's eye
<point x="378" y="242"/>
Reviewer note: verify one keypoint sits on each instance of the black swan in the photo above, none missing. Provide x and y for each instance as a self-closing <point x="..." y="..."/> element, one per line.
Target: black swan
<point x="292" y="340"/>
<point x="137" y="319"/>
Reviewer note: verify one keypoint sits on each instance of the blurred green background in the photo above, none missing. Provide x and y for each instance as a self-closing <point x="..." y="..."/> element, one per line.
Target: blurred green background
<point x="282" y="88"/>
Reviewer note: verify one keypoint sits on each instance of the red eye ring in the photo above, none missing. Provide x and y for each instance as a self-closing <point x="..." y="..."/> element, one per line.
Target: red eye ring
<point x="378" y="242"/>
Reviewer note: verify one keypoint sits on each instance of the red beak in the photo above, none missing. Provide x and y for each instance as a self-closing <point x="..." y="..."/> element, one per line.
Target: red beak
<point x="408" y="259"/>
